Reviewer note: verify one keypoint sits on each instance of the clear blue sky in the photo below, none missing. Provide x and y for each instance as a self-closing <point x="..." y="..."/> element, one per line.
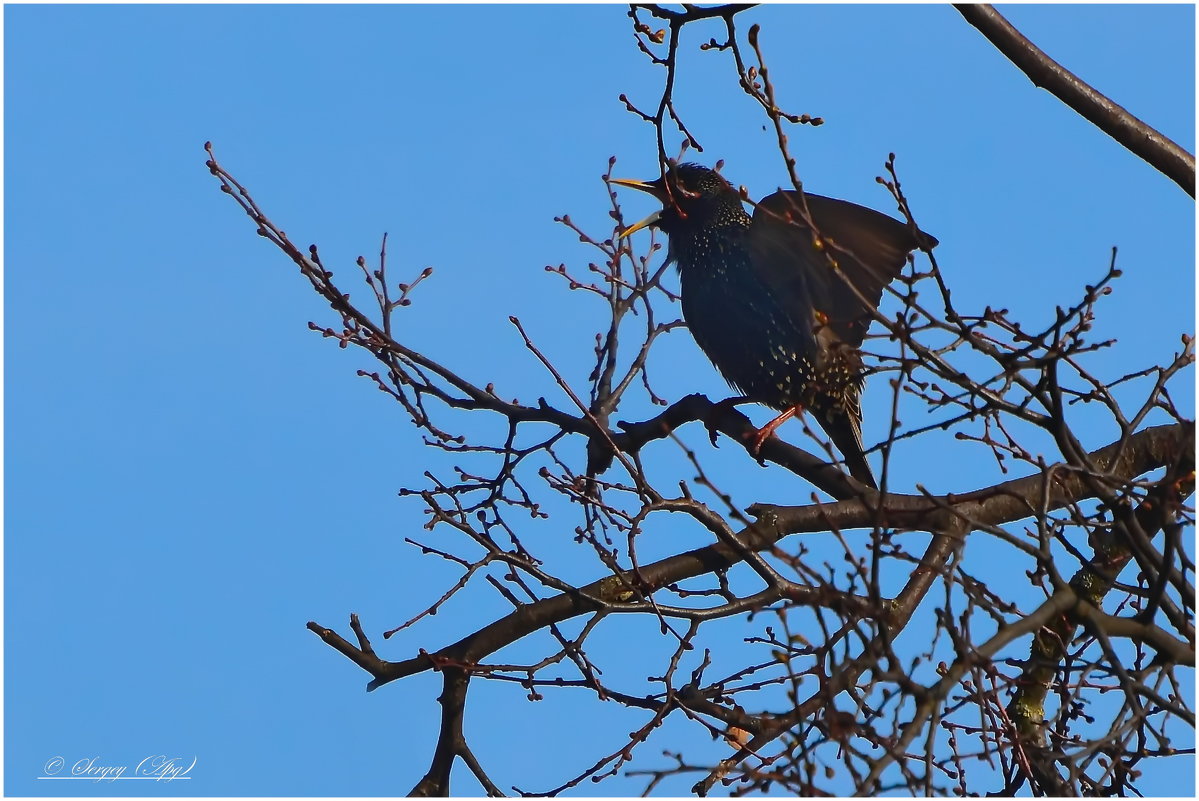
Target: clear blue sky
<point x="192" y="474"/>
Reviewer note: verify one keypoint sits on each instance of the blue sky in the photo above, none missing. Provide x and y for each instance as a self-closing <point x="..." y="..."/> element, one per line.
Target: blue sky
<point x="192" y="475"/>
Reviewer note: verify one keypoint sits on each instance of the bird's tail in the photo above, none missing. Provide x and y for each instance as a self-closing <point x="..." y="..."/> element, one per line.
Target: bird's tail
<point x="846" y="433"/>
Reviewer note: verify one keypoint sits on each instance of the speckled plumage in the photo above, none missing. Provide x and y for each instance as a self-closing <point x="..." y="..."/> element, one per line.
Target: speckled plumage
<point x="767" y="307"/>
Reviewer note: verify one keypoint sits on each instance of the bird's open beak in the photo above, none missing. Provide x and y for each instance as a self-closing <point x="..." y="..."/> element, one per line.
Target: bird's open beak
<point x="637" y="226"/>
<point x="652" y="188"/>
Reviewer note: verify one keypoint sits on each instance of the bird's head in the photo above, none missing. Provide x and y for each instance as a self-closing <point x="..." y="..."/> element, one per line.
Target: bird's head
<point x="693" y="198"/>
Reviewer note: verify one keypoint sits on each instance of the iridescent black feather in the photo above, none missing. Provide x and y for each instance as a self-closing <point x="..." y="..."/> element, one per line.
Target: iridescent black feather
<point x="780" y="319"/>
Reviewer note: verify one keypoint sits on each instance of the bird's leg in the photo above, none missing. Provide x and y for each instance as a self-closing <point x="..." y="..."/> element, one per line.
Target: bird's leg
<point x="765" y="431"/>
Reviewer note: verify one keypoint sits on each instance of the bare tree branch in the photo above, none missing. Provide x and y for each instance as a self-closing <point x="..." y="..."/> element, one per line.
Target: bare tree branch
<point x="1160" y="151"/>
<point x="870" y="643"/>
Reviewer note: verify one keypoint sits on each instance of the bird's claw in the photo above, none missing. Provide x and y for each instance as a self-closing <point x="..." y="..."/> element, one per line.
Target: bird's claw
<point x="717" y="411"/>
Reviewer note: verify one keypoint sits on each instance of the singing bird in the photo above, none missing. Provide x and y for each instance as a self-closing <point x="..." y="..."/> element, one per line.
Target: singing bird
<point x="781" y="309"/>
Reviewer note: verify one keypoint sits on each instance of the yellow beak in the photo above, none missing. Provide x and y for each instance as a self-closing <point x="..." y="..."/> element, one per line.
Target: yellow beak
<point x="652" y="188"/>
<point x="632" y="183"/>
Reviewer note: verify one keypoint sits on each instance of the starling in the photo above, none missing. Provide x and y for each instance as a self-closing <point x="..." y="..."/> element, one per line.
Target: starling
<point x="780" y="309"/>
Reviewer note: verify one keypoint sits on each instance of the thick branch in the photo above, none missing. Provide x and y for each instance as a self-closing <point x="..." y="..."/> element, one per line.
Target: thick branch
<point x="727" y="420"/>
<point x="1003" y="503"/>
<point x="1160" y="151"/>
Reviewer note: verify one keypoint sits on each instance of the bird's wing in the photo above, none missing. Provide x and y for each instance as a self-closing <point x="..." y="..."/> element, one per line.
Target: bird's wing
<point x="870" y="249"/>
